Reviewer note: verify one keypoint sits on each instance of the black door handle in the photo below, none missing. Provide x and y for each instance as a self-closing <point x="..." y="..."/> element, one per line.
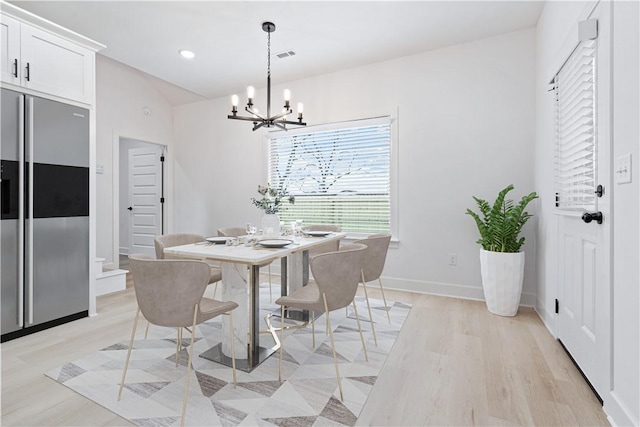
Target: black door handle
<point x="130" y="208"/>
<point x="590" y="216"/>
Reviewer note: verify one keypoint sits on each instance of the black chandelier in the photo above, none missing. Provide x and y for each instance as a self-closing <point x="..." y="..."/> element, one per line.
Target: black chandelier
<point x="279" y="120"/>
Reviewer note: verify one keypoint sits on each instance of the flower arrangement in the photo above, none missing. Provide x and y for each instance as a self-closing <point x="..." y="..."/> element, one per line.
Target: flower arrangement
<point x="272" y="199"/>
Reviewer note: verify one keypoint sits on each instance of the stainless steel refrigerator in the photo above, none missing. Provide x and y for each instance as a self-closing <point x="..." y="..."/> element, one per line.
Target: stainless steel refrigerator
<point x="44" y="194"/>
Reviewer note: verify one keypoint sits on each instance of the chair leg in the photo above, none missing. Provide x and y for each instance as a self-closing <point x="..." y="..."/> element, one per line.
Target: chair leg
<point x="333" y="346"/>
<point x="146" y="332"/>
<point x="366" y="295"/>
<point x="366" y="356"/>
<point x="215" y="289"/>
<point x="313" y="330"/>
<point x="233" y="350"/>
<point x="385" y="300"/>
<point x="126" y="363"/>
<point x="178" y="342"/>
<point x="270" y="293"/>
<point x="281" y="342"/>
<point x="186" y="386"/>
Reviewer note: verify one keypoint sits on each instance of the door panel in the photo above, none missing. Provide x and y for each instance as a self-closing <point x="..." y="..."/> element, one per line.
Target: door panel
<point x="61" y="268"/>
<point x="145" y="189"/>
<point x="9" y="275"/>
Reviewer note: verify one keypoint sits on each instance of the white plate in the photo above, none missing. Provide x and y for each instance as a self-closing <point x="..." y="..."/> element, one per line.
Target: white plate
<point x="219" y="240"/>
<point x="274" y="243"/>
<point x="318" y="233"/>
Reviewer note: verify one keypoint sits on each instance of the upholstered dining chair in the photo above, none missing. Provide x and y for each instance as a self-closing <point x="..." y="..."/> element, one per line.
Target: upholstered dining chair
<point x="327" y="247"/>
<point x="170" y="293"/>
<point x="337" y="275"/>
<point x="375" y="257"/>
<point x="239" y="231"/>
<point x="178" y="239"/>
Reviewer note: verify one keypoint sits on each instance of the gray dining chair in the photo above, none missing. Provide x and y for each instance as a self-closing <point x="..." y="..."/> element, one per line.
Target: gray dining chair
<point x="337" y="275"/>
<point x="375" y="257"/>
<point x="179" y="239"/>
<point x="327" y="247"/>
<point x="239" y="231"/>
<point x="170" y="293"/>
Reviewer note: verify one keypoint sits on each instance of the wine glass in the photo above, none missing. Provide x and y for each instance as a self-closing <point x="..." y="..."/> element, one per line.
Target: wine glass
<point x="251" y="229"/>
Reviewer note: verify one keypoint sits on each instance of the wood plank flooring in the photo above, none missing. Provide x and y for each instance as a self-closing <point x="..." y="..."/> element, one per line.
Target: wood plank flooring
<point x="453" y="364"/>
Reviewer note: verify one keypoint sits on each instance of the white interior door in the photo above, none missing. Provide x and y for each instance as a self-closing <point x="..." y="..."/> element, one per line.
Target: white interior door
<point x="584" y="247"/>
<point x="145" y="191"/>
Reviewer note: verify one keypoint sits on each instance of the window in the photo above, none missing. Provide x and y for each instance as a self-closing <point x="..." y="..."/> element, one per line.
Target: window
<point x="574" y="85"/>
<point x="339" y="174"/>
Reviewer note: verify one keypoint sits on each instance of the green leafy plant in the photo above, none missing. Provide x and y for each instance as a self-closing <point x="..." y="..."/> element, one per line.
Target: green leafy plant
<point x="500" y="224"/>
<point x="272" y="198"/>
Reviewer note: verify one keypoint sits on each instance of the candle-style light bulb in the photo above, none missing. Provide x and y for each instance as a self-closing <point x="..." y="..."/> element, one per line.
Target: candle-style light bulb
<point x="287" y="95"/>
<point x="300" y="107"/>
<point x="234" y="100"/>
<point x="251" y="91"/>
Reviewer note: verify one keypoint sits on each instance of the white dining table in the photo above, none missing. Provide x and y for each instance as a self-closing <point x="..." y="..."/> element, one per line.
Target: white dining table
<point x="240" y="265"/>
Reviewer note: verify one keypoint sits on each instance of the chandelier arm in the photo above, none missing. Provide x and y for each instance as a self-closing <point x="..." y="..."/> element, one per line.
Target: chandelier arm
<point x="248" y="119"/>
<point x="289" y="122"/>
<point x="278" y="125"/>
<point x="258" y="126"/>
<point x="256" y="115"/>
<point x="278" y="116"/>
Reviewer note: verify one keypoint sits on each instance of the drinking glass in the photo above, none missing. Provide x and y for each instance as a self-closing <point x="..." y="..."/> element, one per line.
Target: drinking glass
<point x="251" y="229"/>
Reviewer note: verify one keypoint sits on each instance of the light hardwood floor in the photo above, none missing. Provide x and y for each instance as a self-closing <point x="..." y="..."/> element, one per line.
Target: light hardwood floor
<point x="453" y="364"/>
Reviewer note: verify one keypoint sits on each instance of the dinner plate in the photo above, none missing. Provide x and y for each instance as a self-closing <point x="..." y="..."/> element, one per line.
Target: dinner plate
<point x="274" y="243"/>
<point x="219" y="240"/>
<point x="317" y="233"/>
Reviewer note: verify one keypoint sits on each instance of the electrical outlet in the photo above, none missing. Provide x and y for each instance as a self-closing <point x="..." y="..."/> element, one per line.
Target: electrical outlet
<point x="453" y="259"/>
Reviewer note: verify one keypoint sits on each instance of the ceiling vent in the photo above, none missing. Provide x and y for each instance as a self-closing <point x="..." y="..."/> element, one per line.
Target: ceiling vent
<point x="285" y="54"/>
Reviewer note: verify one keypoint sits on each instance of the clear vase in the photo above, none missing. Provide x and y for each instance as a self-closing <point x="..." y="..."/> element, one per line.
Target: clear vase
<point x="270" y="226"/>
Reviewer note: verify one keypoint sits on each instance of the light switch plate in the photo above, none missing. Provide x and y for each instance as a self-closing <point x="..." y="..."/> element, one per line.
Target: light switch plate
<point x="623" y="169"/>
<point x="99" y="169"/>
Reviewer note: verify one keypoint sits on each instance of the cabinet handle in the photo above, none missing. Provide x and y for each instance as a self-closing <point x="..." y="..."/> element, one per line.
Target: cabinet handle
<point x="28" y="74"/>
<point x="15" y="67"/>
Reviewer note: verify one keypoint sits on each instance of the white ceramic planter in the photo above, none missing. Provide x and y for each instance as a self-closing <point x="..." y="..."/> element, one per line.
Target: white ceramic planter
<point x="502" y="275"/>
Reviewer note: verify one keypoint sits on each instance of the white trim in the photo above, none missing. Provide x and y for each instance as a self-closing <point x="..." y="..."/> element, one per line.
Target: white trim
<point x="618" y="414"/>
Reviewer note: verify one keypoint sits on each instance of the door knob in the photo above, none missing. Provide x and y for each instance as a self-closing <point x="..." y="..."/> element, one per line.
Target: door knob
<point x="590" y="216"/>
<point x="130" y="208"/>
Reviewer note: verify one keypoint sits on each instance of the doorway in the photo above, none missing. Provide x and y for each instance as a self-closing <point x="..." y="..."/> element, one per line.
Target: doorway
<point x="141" y="195"/>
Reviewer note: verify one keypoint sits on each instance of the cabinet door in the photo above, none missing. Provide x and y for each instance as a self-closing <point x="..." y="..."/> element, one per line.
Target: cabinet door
<point x="56" y="66"/>
<point x="10" y="50"/>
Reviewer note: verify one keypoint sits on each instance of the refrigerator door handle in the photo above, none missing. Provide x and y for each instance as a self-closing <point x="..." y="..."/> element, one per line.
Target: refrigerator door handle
<point x="21" y="211"/>
<point x="30" y="218"/>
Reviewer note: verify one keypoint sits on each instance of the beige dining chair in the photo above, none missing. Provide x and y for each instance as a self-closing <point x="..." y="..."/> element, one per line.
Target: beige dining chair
<point x="326" y="247"/>
<point x="170" y="294"/>
<point x="239" y="231"/>
<point x="375" y="257"/>
<point x="337" y="275"/>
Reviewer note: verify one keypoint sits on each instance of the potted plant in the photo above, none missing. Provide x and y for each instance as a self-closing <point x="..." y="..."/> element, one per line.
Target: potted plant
<point x="271" y="203"/>
<point x="501" y="261"/>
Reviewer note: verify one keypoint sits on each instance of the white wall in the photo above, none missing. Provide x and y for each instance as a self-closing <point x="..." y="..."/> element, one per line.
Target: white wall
<point x="556" y="22"/>
<point x="466" y="126"/>
<point x="122" y="95"/>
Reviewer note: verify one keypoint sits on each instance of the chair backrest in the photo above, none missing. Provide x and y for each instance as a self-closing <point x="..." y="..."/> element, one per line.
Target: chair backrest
<point x="169" y="240"/>
<point x="337" y="274"/>
<point x="376" y="255"/>
<point x="327" y="247"/>
<point x="232" y="231"/>
<point x="168" y="290"/>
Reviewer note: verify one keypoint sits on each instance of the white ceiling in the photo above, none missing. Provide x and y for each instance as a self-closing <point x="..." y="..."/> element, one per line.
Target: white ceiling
<point x="231" y="47"/>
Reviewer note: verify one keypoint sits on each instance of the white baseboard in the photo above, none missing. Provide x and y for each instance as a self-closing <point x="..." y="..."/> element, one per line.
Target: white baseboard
<point x="435" y="288"/>
<point x="617" y="412"/>
<point x="548" y="318"/>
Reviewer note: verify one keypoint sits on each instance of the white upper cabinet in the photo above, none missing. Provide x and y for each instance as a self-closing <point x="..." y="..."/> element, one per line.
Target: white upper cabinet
<point x="46" y="59"/>
<point x="10" y="48"/>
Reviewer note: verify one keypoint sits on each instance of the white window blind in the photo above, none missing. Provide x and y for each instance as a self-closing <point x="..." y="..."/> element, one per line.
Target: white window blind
<point x="339" y="174"/>
<point x="575" y="168"/>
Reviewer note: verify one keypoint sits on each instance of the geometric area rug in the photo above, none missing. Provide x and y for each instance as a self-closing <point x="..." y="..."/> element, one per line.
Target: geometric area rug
<point x="307" y="396"/>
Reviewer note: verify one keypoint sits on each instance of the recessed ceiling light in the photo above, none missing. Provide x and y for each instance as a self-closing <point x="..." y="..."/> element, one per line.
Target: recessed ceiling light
<point x="187" y="54"/>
